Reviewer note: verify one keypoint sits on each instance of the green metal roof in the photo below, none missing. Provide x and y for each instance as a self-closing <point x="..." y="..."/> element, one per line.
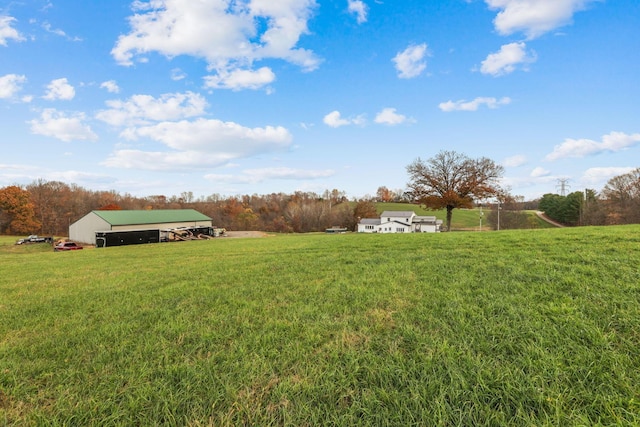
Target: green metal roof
<point x="151" y="216"/>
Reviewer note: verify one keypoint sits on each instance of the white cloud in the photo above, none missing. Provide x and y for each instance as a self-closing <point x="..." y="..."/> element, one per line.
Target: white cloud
<point x="411" y="61"/>
<point x="58" y="32"/>
<point x="613" y="142"/>
<point x="66" y="128"/>
<point x="253" y="176"/>
<point x="244" y="32"/>
<point x="177" y="74"/>
<point x="111" y="86"/>
<point x="528" y="181"/>
<point x="599" y="176"/>
<point x="534" y="17"/>
<point x="507" y="59"/>
<point x="199" y="144"/>
<point x="7" y="32"/>
<point x="164" y="160"/>
<point x="514" y="161"/>
<point x="360" y="9"/>
<point x="11" y="84"/>
<point x="77" y="177"/>
<point x="539" y="172"/>
<point x="214" y="134"/>
<point x="240" y="79"/>
<point x="473" y="105"/>
<point x="388" y="116"/>
<point x="334" y="119"/>
<point x="287" y="173"/>
<point x="60" y="89"/>
<point x="141" y="109"/>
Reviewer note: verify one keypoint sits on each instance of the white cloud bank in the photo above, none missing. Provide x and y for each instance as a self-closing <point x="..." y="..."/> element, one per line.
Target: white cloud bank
<point x="7" y="32"/>
<point x="10" y="85"/>
<point x="514" y="161"/>
<point x="111" y="86"/>
<point x="390" y="117"/>
<point x="464" y="105"/>
<point x="188" y="144"/>
<point x="60" y="89"/>
<point x="240" y="79"/>
<point x="335" y="120"/>
<point x="599" y="176"/>
<point x="539" y="172"/>
<point x="613" y="142"/>
<point x="387" y="116"/>
<point x="254" y="176"/>
<point x="64" y="127"/>
<point x="143" y="109"/>
<point x="244" y="32"/>
<point x="411" y="62"/>
<point x="534" y="17"/>
<point x="360" y="9"/>
<point x="531" y="17"/>
<point x="507" y="59"/>
<point x="201" y="143"/>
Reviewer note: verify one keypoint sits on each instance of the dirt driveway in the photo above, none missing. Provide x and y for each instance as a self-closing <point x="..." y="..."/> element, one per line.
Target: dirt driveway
<point x="237" y="234"/>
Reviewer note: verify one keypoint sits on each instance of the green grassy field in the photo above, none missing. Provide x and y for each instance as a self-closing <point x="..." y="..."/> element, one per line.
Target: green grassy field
<point x="534" y="327"/>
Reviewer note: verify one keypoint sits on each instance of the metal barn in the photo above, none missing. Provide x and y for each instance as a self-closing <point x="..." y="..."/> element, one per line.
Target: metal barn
<point x="114" y="225"/>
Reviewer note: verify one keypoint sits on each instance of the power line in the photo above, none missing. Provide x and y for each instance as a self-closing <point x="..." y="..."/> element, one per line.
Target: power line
<point x="563" y="185"/>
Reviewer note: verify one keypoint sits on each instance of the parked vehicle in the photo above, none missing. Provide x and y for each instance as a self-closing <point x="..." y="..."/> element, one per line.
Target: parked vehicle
<point x="67" y="246"/>
<point x="34" y="239"/>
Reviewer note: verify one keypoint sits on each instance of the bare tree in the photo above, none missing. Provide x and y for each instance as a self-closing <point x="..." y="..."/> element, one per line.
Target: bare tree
<point x="452" y="180"/>
<point x="622" y="194"/>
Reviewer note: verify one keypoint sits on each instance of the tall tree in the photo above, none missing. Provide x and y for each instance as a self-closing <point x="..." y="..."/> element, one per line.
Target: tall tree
<point x="17" y="215"/>
<point x="622" y="194"/>
<point x="384" y="194"/>
<point x="593" y="212"/>
<point x="52" y="205"/>
<point x="567" y="209"/>
<point x="365" y="209"/>
<point x="452" y="180"/>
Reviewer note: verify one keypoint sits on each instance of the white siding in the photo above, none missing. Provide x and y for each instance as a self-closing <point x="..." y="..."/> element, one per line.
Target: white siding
<point x="400" y="222"/>
<point x="426" y="228"/>
<point x="84" y="230"/>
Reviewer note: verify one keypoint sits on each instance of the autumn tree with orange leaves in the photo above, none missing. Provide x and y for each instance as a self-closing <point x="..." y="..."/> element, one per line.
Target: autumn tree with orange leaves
<point x="452" y="180"/>
<point x="17" y="215"/>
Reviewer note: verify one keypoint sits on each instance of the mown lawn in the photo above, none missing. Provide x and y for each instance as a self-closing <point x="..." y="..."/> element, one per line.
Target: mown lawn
<point x="537" y="327"/>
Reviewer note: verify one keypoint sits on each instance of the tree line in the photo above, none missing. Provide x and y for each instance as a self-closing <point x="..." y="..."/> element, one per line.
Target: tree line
<point x="49" y="207"/>
<point x="618" y="203"/>
<point x="447" y="181"/>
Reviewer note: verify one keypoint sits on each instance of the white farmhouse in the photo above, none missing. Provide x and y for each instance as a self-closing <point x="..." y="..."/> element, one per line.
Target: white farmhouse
<point x="400" y="222"/>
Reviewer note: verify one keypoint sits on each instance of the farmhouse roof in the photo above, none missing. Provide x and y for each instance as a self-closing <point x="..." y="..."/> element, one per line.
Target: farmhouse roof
<point x="425" y="219"/>
<point x="134" y="217"/>
<point x="370" y="221"/>
<point x="398" y="214"/>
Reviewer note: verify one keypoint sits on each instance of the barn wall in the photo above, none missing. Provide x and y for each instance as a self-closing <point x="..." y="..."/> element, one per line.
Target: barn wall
<point x="161" y="226"/>
<point x="84" y="230"/>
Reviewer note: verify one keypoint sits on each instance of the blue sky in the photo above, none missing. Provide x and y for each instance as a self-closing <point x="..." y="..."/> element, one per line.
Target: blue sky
<point x="259" y="96"/>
